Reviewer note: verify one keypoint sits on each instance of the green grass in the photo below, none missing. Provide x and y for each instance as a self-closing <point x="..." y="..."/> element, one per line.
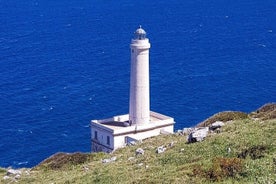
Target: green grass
<point x="193" y="165"/>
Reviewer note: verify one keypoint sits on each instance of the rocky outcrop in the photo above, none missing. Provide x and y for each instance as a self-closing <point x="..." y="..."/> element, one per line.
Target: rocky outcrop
<point x="198" y="134"/>
<point x="216" y="126"/>
<point x="13" y="175"/>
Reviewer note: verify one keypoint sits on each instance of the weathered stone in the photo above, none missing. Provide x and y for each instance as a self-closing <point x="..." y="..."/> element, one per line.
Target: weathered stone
<point x="228" y="150"/>
<point x="198" y="135"/>
<point x="187" y="131"/>
<point x="160" y="149"/>
<point x="140" y="151"/>
<point x="216" y="125"/>
<point x="178" y="132"/>
<point x="6" y="178"/>
<point x="13" y="172"/>
<point x="85" y="168"/>
<point x="17" y="176"/>
<point x="141" y="164"/>
<point x="27" y="172"/>
<point x="171" y="144"/>
<point x="108" y="160"/>
<point x="131" y="158"/>
<point x="113" y="159"/>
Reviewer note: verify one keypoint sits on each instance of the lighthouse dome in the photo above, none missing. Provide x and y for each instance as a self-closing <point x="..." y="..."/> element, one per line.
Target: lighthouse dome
<point x="140" y="33"/>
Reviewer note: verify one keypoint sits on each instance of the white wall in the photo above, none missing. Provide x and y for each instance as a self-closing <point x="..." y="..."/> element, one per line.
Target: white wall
<point x="119" y="141"/>
<point x="101" y="142"/>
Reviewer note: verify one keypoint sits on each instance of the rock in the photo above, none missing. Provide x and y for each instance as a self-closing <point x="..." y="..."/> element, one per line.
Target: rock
<point x="187" y="131"/>
<point x="198" y="134"/>
<point x="140" y="151"/>
<point x="105" y="160"/>
<point x="179" y="132"/>
<point x="108" y="160"/>
<point x="27" y="172"/>
<point x="141" y="164"/>
<point x="130" y="158"/>
<point x="13" y="172"/>
<point x="113" y="159"/>
<point x="160" y="149"/>
<point x="85" y="168"/>
<point x="171" y="144"/>
<point x="228" y="150"/>
<point x="6" y="178"/>
<point x="17" y="176"/>
<point x="216" y="125"/>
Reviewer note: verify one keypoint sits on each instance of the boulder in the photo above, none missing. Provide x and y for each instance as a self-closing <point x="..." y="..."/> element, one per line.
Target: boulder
<point x="108" y="160"/>
<point x="160" y="149"/>
<point x="216" y="125"/>
<point x="141" y="164"/>
<point x="13" y="172"/>
<point x="6" y="178"/>
<point x="139" y="151"/>
<point x="198" y="134"/>
<point x="171" y="144"/>
<point x="17" y="176"/>
<point x="187" y="131"/>
<point x="131" y="158"/>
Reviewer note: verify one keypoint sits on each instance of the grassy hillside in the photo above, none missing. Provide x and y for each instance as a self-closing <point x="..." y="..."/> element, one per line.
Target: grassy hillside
<point x="243" y="152"/>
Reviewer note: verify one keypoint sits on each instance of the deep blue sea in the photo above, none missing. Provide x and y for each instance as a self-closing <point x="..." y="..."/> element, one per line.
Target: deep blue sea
<point x="65" y="62"/>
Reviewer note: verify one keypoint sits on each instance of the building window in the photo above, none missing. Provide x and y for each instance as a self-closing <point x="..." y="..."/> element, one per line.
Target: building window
<point x="108" y="140"/>
<point x="96" y="135"/>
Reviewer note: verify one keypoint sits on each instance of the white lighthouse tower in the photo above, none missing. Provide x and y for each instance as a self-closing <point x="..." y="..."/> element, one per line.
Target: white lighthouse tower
<point x="110" y="134"/>
<point x="139" y="101"/>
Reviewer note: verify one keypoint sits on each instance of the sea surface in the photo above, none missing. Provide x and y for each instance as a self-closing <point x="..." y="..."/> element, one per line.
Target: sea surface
<point x="65" y="62"/>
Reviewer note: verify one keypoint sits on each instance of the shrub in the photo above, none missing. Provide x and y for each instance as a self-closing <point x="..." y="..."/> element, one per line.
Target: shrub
<point x="2" y="170"/>
<point x="226" y="167"/>
<point x="221" y="169"/>
<point x="60" y="160"/>
<point x="254" y="152"/>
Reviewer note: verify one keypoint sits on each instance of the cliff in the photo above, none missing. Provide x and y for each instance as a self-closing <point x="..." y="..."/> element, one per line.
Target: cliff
<point x="244" y="151"/>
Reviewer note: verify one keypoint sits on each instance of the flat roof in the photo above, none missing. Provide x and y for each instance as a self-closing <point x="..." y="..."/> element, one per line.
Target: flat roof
<point x="120" y="123"/>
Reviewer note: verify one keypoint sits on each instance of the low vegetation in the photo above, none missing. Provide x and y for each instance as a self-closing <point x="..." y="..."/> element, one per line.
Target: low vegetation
<point x="243" y="152"/>
<point x="223" y="116"/>
<point x="268" y="111"/>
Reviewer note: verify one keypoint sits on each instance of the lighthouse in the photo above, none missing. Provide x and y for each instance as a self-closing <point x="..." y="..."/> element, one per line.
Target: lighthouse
<point x="139" y="100"/>
<point x="140" y="123"/>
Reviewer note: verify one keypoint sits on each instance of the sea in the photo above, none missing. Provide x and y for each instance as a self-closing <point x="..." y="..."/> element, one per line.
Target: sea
<point x="66" y="62"/>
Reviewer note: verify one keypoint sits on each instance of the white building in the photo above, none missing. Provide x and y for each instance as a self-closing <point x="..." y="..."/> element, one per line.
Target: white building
<point x="110" y="134"/>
